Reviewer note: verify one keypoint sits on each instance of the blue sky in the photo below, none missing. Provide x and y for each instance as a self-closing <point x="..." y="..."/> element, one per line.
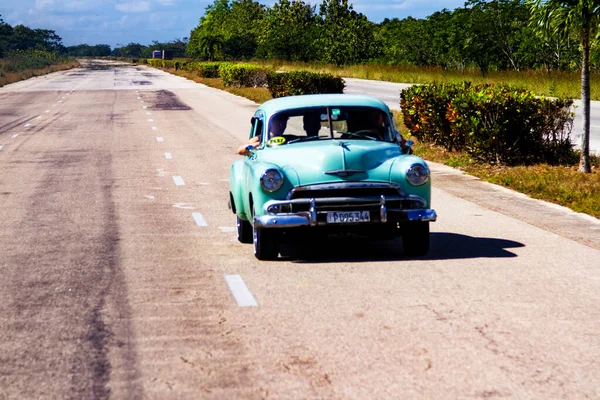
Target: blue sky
<point x="119" y="22"/>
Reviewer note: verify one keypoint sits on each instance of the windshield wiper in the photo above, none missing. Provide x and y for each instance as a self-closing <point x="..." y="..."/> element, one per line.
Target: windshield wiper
<point x="361" y="134"/>
<point x="308" y="138"/>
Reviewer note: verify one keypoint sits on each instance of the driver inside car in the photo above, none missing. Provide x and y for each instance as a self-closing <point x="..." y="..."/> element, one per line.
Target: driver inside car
<point x="371" y="123"/>
<point x="277" y="126"/>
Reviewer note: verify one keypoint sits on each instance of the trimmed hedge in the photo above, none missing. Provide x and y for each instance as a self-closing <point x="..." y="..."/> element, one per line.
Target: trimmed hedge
<point x="239" y="75"/>
<point x="303" y="82"/>
<point x="496" y="124"/>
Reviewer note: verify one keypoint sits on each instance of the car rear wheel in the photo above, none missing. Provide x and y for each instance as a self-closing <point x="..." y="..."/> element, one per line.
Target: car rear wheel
<point x="265" y="242"/>
<point x="415" y="238"/>
<point x="244" y="230"/>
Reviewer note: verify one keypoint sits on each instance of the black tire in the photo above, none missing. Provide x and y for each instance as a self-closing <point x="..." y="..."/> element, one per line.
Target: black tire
<point x="244" y="230"/>
<point x="265" y="242"/>
<point x="415" y="238"/>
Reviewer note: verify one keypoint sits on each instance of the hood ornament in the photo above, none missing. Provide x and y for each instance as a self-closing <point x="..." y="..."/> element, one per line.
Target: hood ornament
<point x="343" y="145"/>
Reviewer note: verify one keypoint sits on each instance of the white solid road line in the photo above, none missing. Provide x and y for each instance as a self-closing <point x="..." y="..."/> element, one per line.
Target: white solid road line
<point x="199" y="219"/>
<point x="168" y="156"/>
<point x="178" y="180"/>
<point x="160" y="139"/>
<point x="242" y="295"/>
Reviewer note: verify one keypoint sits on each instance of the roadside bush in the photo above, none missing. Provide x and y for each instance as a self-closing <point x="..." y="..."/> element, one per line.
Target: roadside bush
<point x="155" y="62"/>
<point x="495" y="124"/>
<point x="303" y="82"/>
<point x="424" y="109"/>
<point x="20" y="60"/>
<point x="239" y="75"/>
<point x="208" y="69"/>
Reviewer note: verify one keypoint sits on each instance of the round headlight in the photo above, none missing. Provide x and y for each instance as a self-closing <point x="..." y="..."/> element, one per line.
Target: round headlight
<point x="417" y="174"/>
<point x="271" y="180"/>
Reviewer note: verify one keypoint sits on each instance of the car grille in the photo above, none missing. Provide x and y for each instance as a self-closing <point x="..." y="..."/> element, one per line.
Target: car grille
<point x="349" y="197"/>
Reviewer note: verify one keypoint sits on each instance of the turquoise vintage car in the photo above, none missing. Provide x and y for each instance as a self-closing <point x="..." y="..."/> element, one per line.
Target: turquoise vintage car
<point x="329" y="164"/>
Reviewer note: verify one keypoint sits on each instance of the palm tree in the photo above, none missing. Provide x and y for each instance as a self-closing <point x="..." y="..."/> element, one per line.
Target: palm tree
<point x="581" y="18"/>
<point x="210" y="44"/>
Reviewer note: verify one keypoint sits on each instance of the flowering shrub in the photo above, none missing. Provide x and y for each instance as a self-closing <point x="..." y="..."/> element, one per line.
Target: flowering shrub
<point x="496" y="124"/>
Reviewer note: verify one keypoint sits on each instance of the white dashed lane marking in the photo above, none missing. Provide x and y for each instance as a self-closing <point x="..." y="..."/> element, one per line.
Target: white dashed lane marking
<point x="1" y="147"/>
<point x="242" y="295"/>
<point x="150" y="120"/>
<point x="14" y="136"/>
<point x="144" y="106"/>
<point x="154" y="128"/>
<point x="27" y="125"/>
<point x="178" y="180"/>
<point x="168" y="156"/>
<point x="47" y="111"/>
<point x="160" y="139"/>
<point x="199" y="219"/>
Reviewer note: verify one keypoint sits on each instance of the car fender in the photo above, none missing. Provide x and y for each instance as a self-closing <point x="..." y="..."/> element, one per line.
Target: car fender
<point x="236" y="189"/>
<point x="259" y="195"/>
<point x="398" y="171"/>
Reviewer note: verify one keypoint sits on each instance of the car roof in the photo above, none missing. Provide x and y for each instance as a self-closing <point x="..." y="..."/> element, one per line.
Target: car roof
<point x="321" y="100"/>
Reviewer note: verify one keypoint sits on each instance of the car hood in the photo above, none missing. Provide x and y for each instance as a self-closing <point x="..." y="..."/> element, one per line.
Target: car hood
<point x="334" y="160"/>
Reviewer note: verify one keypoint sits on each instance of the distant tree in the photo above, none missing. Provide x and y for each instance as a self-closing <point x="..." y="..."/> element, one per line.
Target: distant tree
<point x="132" y="50"/>
<point x="6" y="32"/>
<point x="177" y="48"/>
<point x="289" y="31"/>
<point x="85" y="50"/>
<point x="581" y="19"/>
<point x="236" y="23"/>
<point x="24" y="38"/>
<point x="346" y="36"/>
<point x="209" y="45"/>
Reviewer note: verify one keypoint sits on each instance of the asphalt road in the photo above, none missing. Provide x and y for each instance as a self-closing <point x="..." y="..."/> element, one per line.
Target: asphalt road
<point x="116" y="241"/>
<point x="390" y="93"/>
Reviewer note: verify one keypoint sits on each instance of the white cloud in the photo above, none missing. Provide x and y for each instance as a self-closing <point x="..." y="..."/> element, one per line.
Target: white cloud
<point x="43" y="4"/>
<point x="166" y="2"/>
<point x="133" y="6"/>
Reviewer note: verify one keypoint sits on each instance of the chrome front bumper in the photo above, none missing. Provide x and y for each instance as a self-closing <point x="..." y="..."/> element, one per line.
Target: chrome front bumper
<point x="310" y="218"/>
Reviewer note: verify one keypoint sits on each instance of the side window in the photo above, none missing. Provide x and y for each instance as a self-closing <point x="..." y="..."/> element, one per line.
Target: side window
<point x="257" y="126"/>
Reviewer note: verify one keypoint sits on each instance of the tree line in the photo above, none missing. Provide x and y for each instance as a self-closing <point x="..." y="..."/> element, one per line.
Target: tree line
<point x="22" y="38"/>
<point x="488" y="35"/>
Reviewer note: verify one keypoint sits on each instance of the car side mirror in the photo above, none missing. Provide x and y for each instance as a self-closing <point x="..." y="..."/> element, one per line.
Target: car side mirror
<point x="251" y="149"/>
<point x="407" y="148"/>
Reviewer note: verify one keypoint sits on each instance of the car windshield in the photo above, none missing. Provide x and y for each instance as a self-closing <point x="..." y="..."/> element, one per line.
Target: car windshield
<point x="354" y="123"/>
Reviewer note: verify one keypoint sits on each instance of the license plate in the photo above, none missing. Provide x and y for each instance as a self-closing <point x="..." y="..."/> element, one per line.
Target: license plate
<point x="345" y="217"/>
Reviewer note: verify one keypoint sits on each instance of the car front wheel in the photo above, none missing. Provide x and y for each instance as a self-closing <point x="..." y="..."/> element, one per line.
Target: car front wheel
<point x="415" y="238"/>
<point x="265" y="244"/>
<point x="244" y="230"/>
